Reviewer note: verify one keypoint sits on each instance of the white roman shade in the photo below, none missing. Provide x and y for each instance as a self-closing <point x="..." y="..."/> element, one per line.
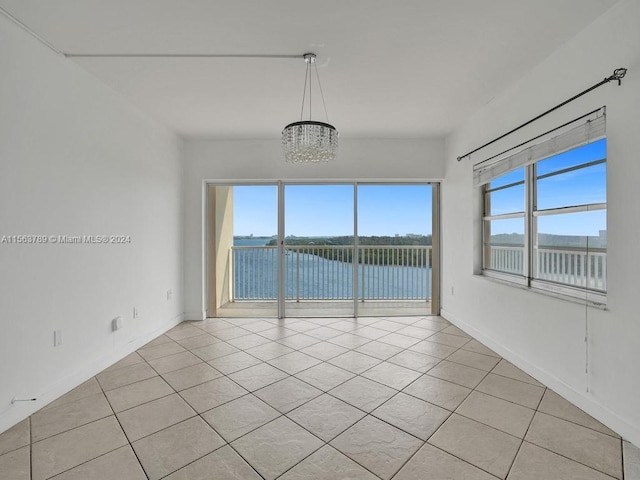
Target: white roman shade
<point x="589" y="131"/>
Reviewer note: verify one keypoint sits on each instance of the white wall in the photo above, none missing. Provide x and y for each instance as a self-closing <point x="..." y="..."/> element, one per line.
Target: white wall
<point x="75" y="159"/>
<point x="259" y="160"/>
<point x="541" y="334"/>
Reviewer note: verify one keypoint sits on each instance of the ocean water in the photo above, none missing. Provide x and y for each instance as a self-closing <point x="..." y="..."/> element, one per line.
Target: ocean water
<point x="311" y="277"/>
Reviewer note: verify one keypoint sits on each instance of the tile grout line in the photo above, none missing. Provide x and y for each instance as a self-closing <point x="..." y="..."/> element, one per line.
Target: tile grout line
<point x="266" y="361"/>
<point x="30" y="450"/>
<point x="174" y="424"/>
<point x="226" y="444"/>
<point x="622" y="458"/>
<point x="573" y="460"/>
<point x="422" y="373"/>
<point x="513" y="460"/>
<point x="451" y="413"/>
<point x="528" y="426"/>
<point x="443" y="422"/>
<point x="229" y="443"/>
<point x="265" y="424"/>
<point x="462" y="459"/>
<point x="327" y="361"/>
<point x="365" y="412"/>
<point x="115" y="415"/>
<point x="401" y="391"/>
<point x="123" y="431"/>
<point x="616" y="437"/>
<point x="327" y="444"/>
<point x="323" y="392"/>
<point x="168" y="427"/>
<point x="102" y="454"/>
<point x="315" y="397"/>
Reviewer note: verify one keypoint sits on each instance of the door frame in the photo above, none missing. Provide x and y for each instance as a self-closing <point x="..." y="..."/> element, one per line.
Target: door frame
<point x="209" y="235"/>
<point x="209" y="275"/>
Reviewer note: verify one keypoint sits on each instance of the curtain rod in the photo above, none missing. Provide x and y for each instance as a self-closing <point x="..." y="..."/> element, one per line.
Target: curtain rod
<point x="21" y="25"/>
<point x="602" y="109"/>
<point x="178" y="55"/>
<point x="49" y="45"/>
<point x="618" y="75"/>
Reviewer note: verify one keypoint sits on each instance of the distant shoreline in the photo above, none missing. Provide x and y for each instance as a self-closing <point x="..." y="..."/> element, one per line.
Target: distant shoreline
<point x="406" y="240"/>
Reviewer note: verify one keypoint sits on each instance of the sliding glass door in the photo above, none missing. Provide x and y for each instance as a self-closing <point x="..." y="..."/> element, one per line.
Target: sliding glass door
<point x="322" y="250"/>
<point x="395" y="249"/>
<point x="243" y="250"/>
<point x="318" y="250"/>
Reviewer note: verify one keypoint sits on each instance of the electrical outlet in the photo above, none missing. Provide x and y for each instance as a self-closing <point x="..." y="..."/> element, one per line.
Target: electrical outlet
<point x="136" y="312"/>
<point x="169" y="294"/>
<point x="116" y="324"/>
<point x="57" y="338"/>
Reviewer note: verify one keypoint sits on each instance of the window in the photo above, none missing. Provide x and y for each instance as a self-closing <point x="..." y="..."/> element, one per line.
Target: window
<point x="504" y="223"/>
<point x="545" y="214"/>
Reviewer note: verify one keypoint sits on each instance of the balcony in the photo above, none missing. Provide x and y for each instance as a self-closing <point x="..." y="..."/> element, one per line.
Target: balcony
<point x="392" y="280"/>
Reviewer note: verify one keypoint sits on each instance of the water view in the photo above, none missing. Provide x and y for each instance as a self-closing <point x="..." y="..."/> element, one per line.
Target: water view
<point x="315" y="271"/>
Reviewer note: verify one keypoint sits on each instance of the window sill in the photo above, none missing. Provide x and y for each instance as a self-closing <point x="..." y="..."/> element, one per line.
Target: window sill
<point x="574" y="295"/>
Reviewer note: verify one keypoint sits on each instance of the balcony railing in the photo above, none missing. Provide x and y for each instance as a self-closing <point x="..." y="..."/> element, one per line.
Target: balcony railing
<point x="572" y="266"/>
<point x="506" y="259"/>
<point x="325" y="272"/>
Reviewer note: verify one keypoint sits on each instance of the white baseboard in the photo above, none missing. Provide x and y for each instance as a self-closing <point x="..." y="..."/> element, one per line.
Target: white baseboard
<point x="195" y="316"/>
<point x="21" y="410"/>
<point x="589" y="404"/>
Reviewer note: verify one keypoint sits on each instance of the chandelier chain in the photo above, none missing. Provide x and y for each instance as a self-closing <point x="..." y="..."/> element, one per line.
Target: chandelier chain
<point x="304" y="91"/>
<point x="310" y="85"/>
<point x="321" y="93"/>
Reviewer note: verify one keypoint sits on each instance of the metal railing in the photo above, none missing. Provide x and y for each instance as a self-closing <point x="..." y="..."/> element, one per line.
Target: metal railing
<point x="506" y="259"/>
<point x="572" y="266"/>
<point x="255" y="273"/>
<point x="394" y="272"/>
<point x="325" y="272"/>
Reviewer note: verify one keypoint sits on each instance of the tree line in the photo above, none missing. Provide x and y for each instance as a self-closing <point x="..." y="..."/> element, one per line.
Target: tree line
<point x="390" y="257"/>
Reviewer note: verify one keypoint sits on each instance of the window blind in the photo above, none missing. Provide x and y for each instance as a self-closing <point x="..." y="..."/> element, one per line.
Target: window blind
<point x="589" y="131"/>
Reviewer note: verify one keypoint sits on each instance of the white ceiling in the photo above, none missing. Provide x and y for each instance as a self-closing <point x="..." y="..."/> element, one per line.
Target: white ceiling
<point x="389" y="68"/>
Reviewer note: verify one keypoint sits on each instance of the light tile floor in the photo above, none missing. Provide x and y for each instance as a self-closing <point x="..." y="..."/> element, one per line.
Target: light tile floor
<point x="247" y="398"/>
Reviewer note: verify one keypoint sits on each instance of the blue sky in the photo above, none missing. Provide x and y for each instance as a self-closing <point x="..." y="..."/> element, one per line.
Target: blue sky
<point x="578" y="187"/>
<point x="327" y="210"/>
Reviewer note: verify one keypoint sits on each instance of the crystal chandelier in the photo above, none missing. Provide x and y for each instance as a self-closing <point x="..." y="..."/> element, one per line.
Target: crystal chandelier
<point x="309" y="141"/>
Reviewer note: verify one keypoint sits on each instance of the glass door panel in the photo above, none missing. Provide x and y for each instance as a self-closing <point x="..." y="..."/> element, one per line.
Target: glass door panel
<point x="392" y="261"/>
<point x="395" y="250"/>
<point x="318" y="250"/>
<point x="246" y="250"/>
